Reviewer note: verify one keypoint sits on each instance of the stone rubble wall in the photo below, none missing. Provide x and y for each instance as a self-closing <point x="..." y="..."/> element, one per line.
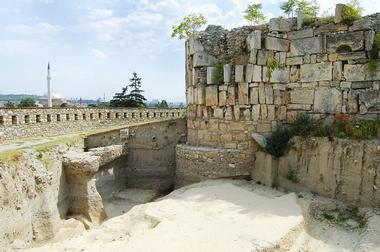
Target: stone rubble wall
<point x="324" y="72"/>
<point x="339" y="168"/>
<point x="195" y="164"/>
<point x="151" y="159"/>
<point x="21" y="123"/>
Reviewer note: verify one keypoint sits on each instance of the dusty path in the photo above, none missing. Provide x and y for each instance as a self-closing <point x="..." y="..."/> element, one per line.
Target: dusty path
<point x="221" y="216"/>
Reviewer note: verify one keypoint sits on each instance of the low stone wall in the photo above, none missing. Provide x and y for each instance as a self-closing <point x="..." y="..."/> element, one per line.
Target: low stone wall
<point x="346" y="170"/>
<point x="20" y="123"/>
<point x="150" y="162"/>
<point x="200" y="163"/>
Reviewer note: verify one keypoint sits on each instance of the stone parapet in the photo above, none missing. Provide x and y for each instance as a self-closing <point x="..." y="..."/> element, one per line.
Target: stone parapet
<point x="21" y="123"/>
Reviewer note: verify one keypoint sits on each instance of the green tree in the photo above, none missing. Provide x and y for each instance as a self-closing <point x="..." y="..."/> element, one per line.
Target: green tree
<point x="253" y="13"/>
<point x="163" y="104"/>
<point x="27" y="103"/>
<point x="289" y="7"/>
<point x="9" y="104"/>
<point x="189" y="26"/>
<point x="309" y="8"/>
<point x="120" y="99"/>
<point x="135" y="97"/>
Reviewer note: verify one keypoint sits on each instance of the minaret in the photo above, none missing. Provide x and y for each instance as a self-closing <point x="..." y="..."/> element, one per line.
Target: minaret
<point x="50" y="102"/>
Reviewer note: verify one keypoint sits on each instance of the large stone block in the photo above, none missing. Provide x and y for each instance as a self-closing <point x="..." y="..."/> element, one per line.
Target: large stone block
<point x="262" y="93"/>
<point x="305" y="46"/>
<point x="243" y="93"/>
<point x="294" y="61"/>
<point x="265" y="169"/>
<point x="227" y="73"/>
<point x="255" y="112"/>
<point x="231" y="91"/>
<point x="253" y="73"/>
<point x="362" y="24"/>
<point x="316" y="72"/>
<point x="211" y="75"/>
<point x="337" y="70"/>
<point x="268" y="94"/>
<point x="339" y="13"/>
<point x="306" y="33"/>
<point x="222" y="98"/>
<point x="280" y="75"/>
<point x="360" y="72"/>
<point x="195" y="46"/>
<point x="201" y="95"/>
<point x="302" y="96"/>
<point x="212" y="95"/>
<point x="254" y="40"/>
<point x="262" y="56"/>
<point x="239" y="73"/>
<point x="277" y="44"/>
<point x="355" y="72"/>
<point x="254" y="95"/>
<point x="343" y="42"/>
<point x="202" y="59"/>
<point x="281" y="24"/>
<point x="327" y="100"/>
<point x="189" y="95"/>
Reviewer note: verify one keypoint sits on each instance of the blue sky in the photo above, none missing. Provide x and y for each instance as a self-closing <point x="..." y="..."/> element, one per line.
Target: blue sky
<point x="95" y="45"/>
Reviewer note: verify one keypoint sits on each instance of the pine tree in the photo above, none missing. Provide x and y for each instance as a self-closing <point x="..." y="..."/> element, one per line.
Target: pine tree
<point x="120" y="99"/>
<point x="163" y="104"/>
<point x="135" y="97"/>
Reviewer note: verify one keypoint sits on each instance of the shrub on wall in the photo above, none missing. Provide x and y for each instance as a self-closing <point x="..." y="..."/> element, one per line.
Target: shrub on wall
<point x="351" y="12"/>
<point x="277" y="143"/>
<point x="304" y="125"/>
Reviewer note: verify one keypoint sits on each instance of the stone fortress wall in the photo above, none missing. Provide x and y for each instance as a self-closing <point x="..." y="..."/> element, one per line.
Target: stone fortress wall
<point x="20" y="123"/>
<point x="325" y="71"/>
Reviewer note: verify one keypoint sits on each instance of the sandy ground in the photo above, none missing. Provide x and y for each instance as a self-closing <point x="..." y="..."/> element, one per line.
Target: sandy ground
<point x="222" y="215"/>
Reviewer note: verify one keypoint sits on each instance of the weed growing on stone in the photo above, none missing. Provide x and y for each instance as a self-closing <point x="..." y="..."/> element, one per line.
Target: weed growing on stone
<point x="292" y="176"/>
<point x="350" y="219"/>
<point x="374" y="55"/>
<point x="154" y="223"/>
<point x="302" y="126"/>
<point x="218" y="75"/>
<point x="272" y="64"/>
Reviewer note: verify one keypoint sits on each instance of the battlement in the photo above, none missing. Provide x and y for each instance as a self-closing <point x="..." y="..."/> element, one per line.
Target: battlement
<point x="20" y="123"/>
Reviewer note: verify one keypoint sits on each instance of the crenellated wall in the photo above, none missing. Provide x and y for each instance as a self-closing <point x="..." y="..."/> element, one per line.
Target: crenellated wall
<point x="321" y="69"/>
<point x="20" y="123"/>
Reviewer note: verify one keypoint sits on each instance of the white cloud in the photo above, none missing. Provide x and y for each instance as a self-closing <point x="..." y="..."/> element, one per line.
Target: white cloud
<point x="97" y="14"/>
<point x="39" y="28"/>
<point x="98" y="54"/>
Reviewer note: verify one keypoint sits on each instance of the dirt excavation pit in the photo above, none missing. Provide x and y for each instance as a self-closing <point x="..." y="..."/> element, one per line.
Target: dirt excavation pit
<point x="224" y="215"/>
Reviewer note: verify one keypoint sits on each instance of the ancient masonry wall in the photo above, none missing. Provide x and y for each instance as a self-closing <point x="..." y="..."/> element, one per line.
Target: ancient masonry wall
<point x="20" y="123"/>
<point x="325" y="71"/>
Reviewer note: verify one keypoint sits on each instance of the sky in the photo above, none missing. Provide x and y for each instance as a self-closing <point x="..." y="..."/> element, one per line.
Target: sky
<point x="94" y="46"/>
